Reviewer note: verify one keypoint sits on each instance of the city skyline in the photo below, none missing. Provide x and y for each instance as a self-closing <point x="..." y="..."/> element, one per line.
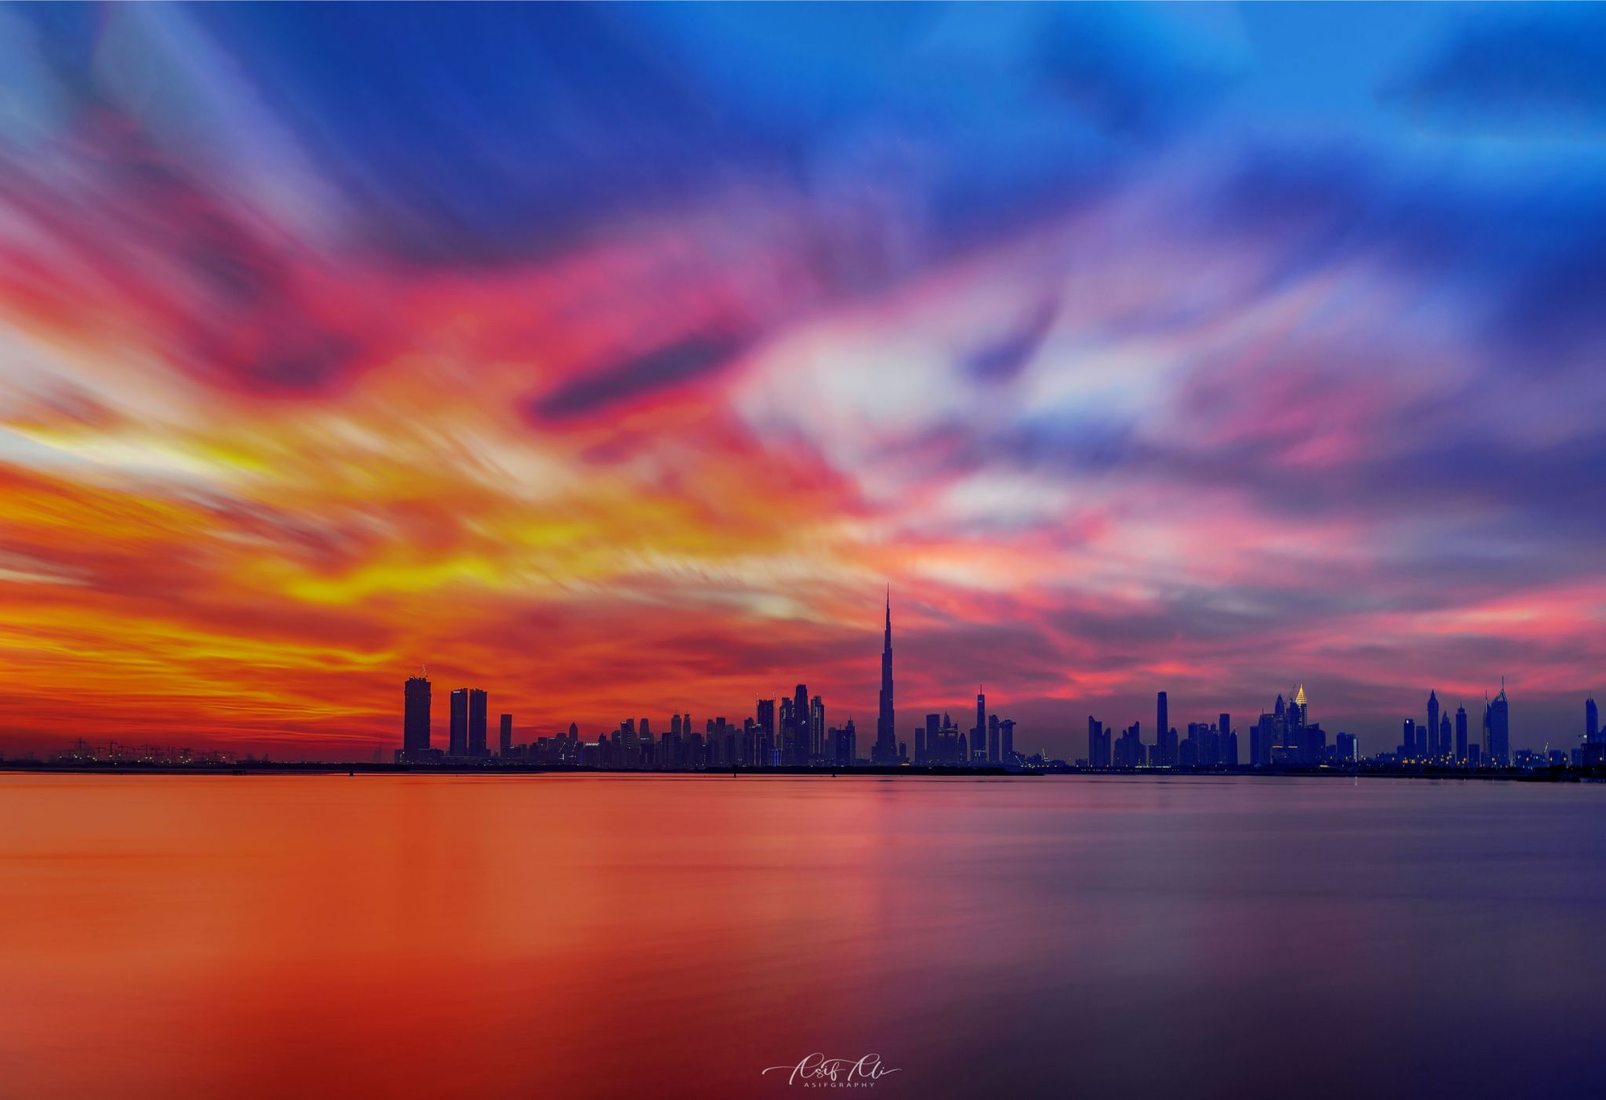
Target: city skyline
<point x="603" y="355"/>
<point x="466" y="728"/>
<point x="798" y="735"/>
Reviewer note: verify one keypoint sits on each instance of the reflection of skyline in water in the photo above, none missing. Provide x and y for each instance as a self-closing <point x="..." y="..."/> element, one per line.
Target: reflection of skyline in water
<point x="331" y="936"/>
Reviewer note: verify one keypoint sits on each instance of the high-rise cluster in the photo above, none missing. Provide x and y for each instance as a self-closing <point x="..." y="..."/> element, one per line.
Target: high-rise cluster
<point x="467" y="708"/>
<point x="789" y="732"/>
<point x="1285" y="737"/>
<point x="991" y="741"/>
<point x="1207" y="744"/>
<point x="1439" y="741"/>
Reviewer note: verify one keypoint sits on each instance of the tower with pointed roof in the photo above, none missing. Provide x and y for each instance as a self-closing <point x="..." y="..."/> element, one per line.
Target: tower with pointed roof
<point x="886" y="738"/>
<point x="1497" y="729"/>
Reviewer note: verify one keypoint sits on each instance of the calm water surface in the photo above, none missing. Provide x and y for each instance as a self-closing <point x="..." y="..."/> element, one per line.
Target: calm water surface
<point x="323" y="936"/>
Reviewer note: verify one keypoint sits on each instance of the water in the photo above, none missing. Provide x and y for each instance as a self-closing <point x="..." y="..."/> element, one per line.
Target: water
<point x="531" y="936"/>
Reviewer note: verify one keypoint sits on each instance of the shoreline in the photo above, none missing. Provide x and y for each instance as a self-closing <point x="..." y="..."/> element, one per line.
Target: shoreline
<point x="1556" y="775"/>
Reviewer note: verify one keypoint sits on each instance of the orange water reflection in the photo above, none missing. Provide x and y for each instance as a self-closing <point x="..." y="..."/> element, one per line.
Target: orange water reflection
<point x="625" y="936"/>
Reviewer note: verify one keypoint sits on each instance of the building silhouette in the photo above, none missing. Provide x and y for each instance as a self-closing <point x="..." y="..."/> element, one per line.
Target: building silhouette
<point x="766" y="749"/>
<point x="457" y="741"/>
<point x="476" y="722"/>
<point x="505" y="740"/>
<point x="1129" y="751"/>
<point x="844" y="745"/>
<point x="415" y="716"/>
<point x="1593" y="751"/>
<point x="788" y="732"/>
<point x="1497" y="730"/>
<point x="1099" y="747"/>
<point x="1162" y="723"/>
<point x="800" y="726"/>
<point x="886" y="735"/>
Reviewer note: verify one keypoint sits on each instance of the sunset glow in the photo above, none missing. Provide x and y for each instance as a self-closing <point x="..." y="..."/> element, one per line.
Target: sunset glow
<point x="615" y="359"/>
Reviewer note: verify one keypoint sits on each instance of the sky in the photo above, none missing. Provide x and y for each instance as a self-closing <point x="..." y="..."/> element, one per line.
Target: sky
<point x="616" y="359"/>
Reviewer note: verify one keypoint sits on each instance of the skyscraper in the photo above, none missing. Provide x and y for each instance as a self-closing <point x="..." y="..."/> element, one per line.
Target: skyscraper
<point x="457" y="744"/>
<point x="1098" y="744"/>
<point x="1164" y="753"/>
<point x="476" y="722"/>
<point x="415" y="716"/>
<point x="1591" y="721"/>
<point x="1460" y="735"/>
<point x="1433" y="722"/>
<point x="1128" y="749"/>
<point x="886" y="735"/>
<point x="788" y="745"/>
<point x="505" y="740"/>
<point x="768" y="749"/>
<point x="1497" y="720"/>
<point x="1263" y="735"/>
<point x="978" y="736"/>
<point x="800" y="725"/>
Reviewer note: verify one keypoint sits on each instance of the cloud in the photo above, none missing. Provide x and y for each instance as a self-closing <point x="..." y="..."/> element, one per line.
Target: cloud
<point x="1535" y="70"/>
<point x="687" y="360"/>
<point x="1127" y="72"/>
<point x="118" y="242"/>
<point x="1004" y="359"/>
<point x="482" y="138"/>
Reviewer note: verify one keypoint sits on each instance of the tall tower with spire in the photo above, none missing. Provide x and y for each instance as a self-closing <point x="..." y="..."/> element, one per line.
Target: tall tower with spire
<point x="886" y="738"/>
<point x="1497" y="729"/>
<point x="978" y="739"/>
